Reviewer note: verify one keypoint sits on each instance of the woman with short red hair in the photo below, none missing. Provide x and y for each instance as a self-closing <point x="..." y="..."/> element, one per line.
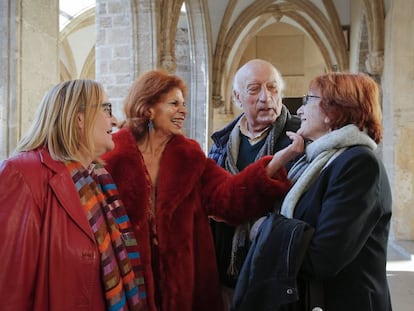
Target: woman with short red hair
<point x="342" y="190"/>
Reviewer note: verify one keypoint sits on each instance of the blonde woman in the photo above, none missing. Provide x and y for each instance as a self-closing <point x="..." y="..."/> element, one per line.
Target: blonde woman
<point x="59" y="211"/>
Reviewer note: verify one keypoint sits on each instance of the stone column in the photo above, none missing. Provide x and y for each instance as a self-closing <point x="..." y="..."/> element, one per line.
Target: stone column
<point x="146" y="21"/>
<point x="8" y="33"/>
<point x="200" y="60"/>
<point x="398" y="144"/>
<point x="29" y="31"/>
<point x="125" y="45"/>
<point x="114" y="50"/>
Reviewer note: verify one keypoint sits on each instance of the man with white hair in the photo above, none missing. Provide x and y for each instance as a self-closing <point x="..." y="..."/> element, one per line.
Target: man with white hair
<point x="260" y="130"/>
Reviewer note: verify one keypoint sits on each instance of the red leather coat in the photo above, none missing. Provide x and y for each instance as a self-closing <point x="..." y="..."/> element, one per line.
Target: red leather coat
<point x="49" y="260"/>
<point x="190" y="189"/>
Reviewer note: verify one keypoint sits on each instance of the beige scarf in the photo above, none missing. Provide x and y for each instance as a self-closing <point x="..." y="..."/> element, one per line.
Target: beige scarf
<point x="319" y="154"/>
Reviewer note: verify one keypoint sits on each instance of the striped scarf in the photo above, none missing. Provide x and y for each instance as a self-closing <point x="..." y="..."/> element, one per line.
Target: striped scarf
<point x="122" y="276"/>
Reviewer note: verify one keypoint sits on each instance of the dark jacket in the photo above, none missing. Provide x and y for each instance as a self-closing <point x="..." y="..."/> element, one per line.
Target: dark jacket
<point x="218" y="151"/>
<point x="222" y="232"/>
<point x="349" y="206"/>
<point x="268" y="276"/>
<point x="190" y="188"/>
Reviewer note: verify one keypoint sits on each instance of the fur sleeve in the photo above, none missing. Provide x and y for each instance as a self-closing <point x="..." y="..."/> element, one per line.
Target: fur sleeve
<point x="235" y="199"/>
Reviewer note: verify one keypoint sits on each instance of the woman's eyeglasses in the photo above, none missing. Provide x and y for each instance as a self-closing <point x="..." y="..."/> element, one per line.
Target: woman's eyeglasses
<point x="107" y="108"/>
<point x="306" y="98"/>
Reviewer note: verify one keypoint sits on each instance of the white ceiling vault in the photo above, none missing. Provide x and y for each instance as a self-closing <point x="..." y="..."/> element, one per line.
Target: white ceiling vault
<point x="229" y="27"/>
<point x="70" y="9"/>
<point x="311" y="17"/>
<point x="77" y="38"/>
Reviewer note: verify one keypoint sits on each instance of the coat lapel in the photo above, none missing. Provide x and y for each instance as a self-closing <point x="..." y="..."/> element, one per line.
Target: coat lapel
<point x="64" y="189"/>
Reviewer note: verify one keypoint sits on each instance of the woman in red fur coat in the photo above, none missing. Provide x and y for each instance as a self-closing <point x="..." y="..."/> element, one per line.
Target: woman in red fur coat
<point x="170" y="189"/>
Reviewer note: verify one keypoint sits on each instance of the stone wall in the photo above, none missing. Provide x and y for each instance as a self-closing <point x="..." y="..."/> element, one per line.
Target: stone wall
<point x="398" y="105"/>
<point x="114" y="50"/>
<point x="29" y="64"/>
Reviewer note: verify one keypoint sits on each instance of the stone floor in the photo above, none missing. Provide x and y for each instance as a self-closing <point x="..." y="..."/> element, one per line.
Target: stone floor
<point x="400" y="271"/>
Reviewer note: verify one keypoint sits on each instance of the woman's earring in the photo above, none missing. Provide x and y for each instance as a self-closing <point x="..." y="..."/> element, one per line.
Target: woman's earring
<point x="150" y="125"/>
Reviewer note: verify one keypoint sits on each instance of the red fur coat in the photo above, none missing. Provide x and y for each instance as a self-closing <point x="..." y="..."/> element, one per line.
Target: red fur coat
<point x="190" y="189"/>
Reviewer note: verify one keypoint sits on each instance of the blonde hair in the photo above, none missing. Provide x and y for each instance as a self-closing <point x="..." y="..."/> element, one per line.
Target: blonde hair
<point x="55" y="124"/>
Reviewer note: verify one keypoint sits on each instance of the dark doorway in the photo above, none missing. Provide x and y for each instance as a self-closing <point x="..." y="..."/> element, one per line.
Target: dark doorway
<point x="292" y="103"/>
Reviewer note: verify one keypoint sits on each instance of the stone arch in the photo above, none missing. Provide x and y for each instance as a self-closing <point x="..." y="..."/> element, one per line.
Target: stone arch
<point x="69" y="70"/>
<point x="64" y="73"/>
<point x="237" y="40"/>
<point x="340" y="46"/>
<point x="326" y="27"/>
<point x="313" y="35"/>
<point x="235" y="55"/>
<point x="88" y="69"/>
<point x="330" y="40"/>
<point x="217" y="74"/>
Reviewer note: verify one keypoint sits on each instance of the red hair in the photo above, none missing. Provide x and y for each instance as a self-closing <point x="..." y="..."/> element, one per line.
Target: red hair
<point x="144" y="93"/>
<point x="348" y="98"/>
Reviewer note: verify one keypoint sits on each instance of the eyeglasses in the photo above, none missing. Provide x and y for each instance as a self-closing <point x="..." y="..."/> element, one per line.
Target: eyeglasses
<point x="107" y="108"/>
<point x="306" y="98"/>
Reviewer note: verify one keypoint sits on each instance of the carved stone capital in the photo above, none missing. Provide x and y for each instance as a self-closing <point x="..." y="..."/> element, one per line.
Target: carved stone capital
<point x="168" y="63"/>
<point x="217" y="101"/>
<point x="374" y="63"/>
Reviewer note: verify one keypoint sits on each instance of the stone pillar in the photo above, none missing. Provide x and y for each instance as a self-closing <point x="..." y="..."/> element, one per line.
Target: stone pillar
<point x="8" y="33"/>
<point x="114" y="50"/>
<point x="398" y="144"/>
<point x="200" y="72"/>
<point x="29" y="31"/>
<point x="183" y="66"/>
<point x="125" y="45"/>
<point x="146" y="21"/>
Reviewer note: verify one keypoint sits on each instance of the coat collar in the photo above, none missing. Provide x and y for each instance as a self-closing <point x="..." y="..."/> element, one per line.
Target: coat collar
<point x="63" y="187"/>
<point x="182" y="165"/>
<point x="221" y="137"/>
